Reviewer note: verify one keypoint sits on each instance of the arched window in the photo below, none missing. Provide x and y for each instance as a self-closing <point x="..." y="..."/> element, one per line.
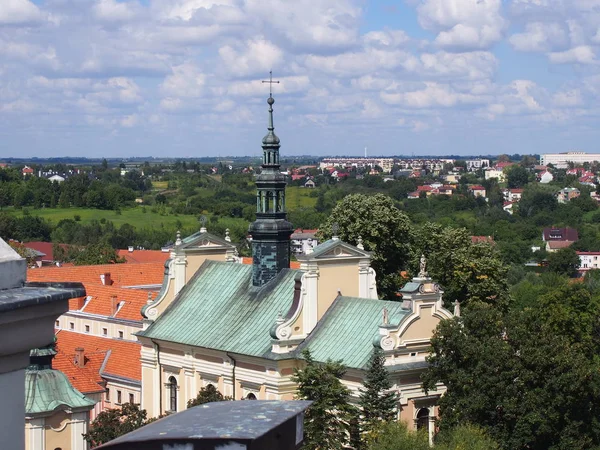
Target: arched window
<point x="423" y="419"/>
<point x="172" y="393"/>
<point x="250" y="396"/>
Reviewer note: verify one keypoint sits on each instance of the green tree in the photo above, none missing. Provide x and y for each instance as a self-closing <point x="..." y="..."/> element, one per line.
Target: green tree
<point x="384" y="230"/>
<point x="397" y="436"/>
<point x="516" y="176"/>
<point x="377" y="402"/>
<point x="467" y="272"/>
<point x="465" y="437"/>
<point x="207" y="394"/>
<point x="327" y="420"/>
<point x="529" y="377"/>
<point x="564" y="261"/>
<point x="97" y="254"/>
<point x="112" y="423"/>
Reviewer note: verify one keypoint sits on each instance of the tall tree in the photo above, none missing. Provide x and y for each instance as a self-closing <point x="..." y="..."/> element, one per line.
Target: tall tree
<point x="327" y="420"/>
<point x="384" y="230"/>
<point x="377" y="402"/>
<point x="112" y="423"/>
<point x="564" y="261"/>
<point x="502" y="369"/>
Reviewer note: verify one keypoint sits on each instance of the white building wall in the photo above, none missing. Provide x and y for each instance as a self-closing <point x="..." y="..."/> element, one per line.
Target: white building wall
<point x="12" y="409"/>
<point x="561" y="160"/>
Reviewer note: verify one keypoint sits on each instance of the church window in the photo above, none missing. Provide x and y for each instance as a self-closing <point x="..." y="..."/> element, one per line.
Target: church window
<point x="250" y="396"/>
<point x="423" y="419"/>
<point x="172" y="387"/>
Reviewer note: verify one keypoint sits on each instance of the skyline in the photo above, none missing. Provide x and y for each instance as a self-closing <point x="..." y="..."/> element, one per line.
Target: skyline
<point x="183" y="78"/>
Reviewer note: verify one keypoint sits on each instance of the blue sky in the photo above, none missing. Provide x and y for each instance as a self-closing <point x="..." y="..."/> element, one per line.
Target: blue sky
<point x="182" y="77"/>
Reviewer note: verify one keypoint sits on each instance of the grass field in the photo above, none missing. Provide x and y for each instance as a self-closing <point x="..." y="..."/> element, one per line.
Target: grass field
<point x="132" y="216"/>
<point x="160" y="185"/>
<point x="298" y="197"/>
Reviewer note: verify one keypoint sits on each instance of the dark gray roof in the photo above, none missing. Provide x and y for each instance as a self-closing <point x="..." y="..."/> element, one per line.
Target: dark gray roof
<point x="237" y="420"/>
<point x="38" y="294"/>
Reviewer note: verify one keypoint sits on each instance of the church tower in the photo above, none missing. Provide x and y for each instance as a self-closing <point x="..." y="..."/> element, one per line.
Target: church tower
<point x="271" y="231"/>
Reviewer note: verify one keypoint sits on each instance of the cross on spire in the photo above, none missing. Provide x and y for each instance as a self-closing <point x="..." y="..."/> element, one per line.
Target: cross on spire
<point x="271" y="82"/>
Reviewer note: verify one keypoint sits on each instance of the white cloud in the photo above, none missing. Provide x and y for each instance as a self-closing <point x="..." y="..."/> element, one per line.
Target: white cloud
<point x="386" y="38"/>
<point x="14" y="12"/>
<point x="463" y="23"/>
<point x="187" y="80"/>
<point x="580" y="55"/>
<point x="111" y="10"/>
<point x="539" y="37"/>
<point x="568" y="98"/>
<point x="253" y="57"/>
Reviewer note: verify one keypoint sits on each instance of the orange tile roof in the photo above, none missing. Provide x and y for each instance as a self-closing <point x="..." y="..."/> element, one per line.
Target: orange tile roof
<point x="122" y="357"/>
<point x="101" y="301"/>
<point x="143" y="256"/>
<point x="85" y="379"/>
<point x="120" y="274"/>
<point x="248" y="260"/>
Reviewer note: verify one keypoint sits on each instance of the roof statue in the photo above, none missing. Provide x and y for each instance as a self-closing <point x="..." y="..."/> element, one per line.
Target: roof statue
<point x="422" y="267"/>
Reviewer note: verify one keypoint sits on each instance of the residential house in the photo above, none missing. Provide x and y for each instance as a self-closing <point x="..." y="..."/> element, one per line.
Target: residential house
<point x="477" y="190"/>
<point x="508" y="207"/>
<point x="495" y="172"/>
<point x="476" y="164"/>
<point x="310" y="183"/>
<point x="512" y="195"/>
<point x="588" y="261"/>
<point x="557" y="238"/>
<point x="567" y="194"/>
<point x="27" y="171"/>
<point x="303" y="241"/>
<point x="545" y="177"/>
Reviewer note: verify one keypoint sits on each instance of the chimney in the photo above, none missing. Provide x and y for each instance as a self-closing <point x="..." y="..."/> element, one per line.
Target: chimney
<point x="78" y="303"/>
<point x="114" y="305"/>
<point x="130" y="249"/>
<point x="105" y="279"/>
<point x="79" y="357"/>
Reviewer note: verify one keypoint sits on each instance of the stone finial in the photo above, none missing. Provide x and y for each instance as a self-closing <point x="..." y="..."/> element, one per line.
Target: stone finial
<point x="360" y="243"/>
<point x="423" y="267"/>
<point x="386" y="316"/>
<point x="178" y="241"/>
<point x="227" y="237"/>
<point x="456" y="308"/>
<point x="202" y="223"/>
<point x="335" y="227"/>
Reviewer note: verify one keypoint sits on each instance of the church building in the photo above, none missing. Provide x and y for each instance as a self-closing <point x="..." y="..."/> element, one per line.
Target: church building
<point x="242" y="328"/>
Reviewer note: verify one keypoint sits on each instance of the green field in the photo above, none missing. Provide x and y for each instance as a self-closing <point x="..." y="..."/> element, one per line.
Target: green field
<point x="133" y="216"/>
<point x="298" y="197"/>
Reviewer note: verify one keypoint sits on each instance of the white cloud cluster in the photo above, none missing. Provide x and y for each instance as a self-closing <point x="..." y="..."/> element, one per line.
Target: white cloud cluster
<point x="172" y="76"/>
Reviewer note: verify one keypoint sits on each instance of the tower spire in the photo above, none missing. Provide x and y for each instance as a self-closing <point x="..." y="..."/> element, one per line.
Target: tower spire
<point x="271" y="231"/>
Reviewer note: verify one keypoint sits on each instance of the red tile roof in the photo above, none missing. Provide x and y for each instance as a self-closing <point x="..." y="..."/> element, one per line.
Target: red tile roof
<point x="122" y="357"/>
<point x="560" y="234"/>
<point x="132" y="301"/>
<point x="480" y="239"/>
<point x="120" y="274"/>
<point x="44" y="247"/>
<point x="144" y="256"/>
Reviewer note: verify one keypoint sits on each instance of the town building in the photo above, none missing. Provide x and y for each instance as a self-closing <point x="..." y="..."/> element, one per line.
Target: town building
<point x="562" y="160"/>
<point x="567" y="194"/>
<point x="303" y="241"/>
<point x="557" y="238"/>
<point x="477" y="190"/>
<point x="386" y="164"/>
<point x="242" y="328"/>
<point x="476" y="164"/>
<point x="34" y="396"/>
<point x="495" y="172"/>
<point x="588" y="261"/>
<point x="545" y="177"/>
<point x="512" y="194"/>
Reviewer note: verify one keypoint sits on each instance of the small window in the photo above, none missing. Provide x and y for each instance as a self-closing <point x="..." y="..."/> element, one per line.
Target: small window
<point x="87" y="328"/>
<point x="131" y="399"/>
<point x="119" y="397"/>
<point x="250" y="396"/>
<point x="423" y="419"/>
<point x="71" y="325"/>
<point x="107" y="395"/>
<point x="413" y="354"/>
<point x="172" y="387"/>
<point x="57" y="324"/>
<point x="120" y="335"/>
<point x="104" y="331"/>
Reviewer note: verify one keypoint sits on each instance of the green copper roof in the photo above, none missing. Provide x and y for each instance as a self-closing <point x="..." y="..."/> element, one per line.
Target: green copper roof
<point x="347" y="330"/>
<point x="48" y="389"/>
<point x="220" y="309"/>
